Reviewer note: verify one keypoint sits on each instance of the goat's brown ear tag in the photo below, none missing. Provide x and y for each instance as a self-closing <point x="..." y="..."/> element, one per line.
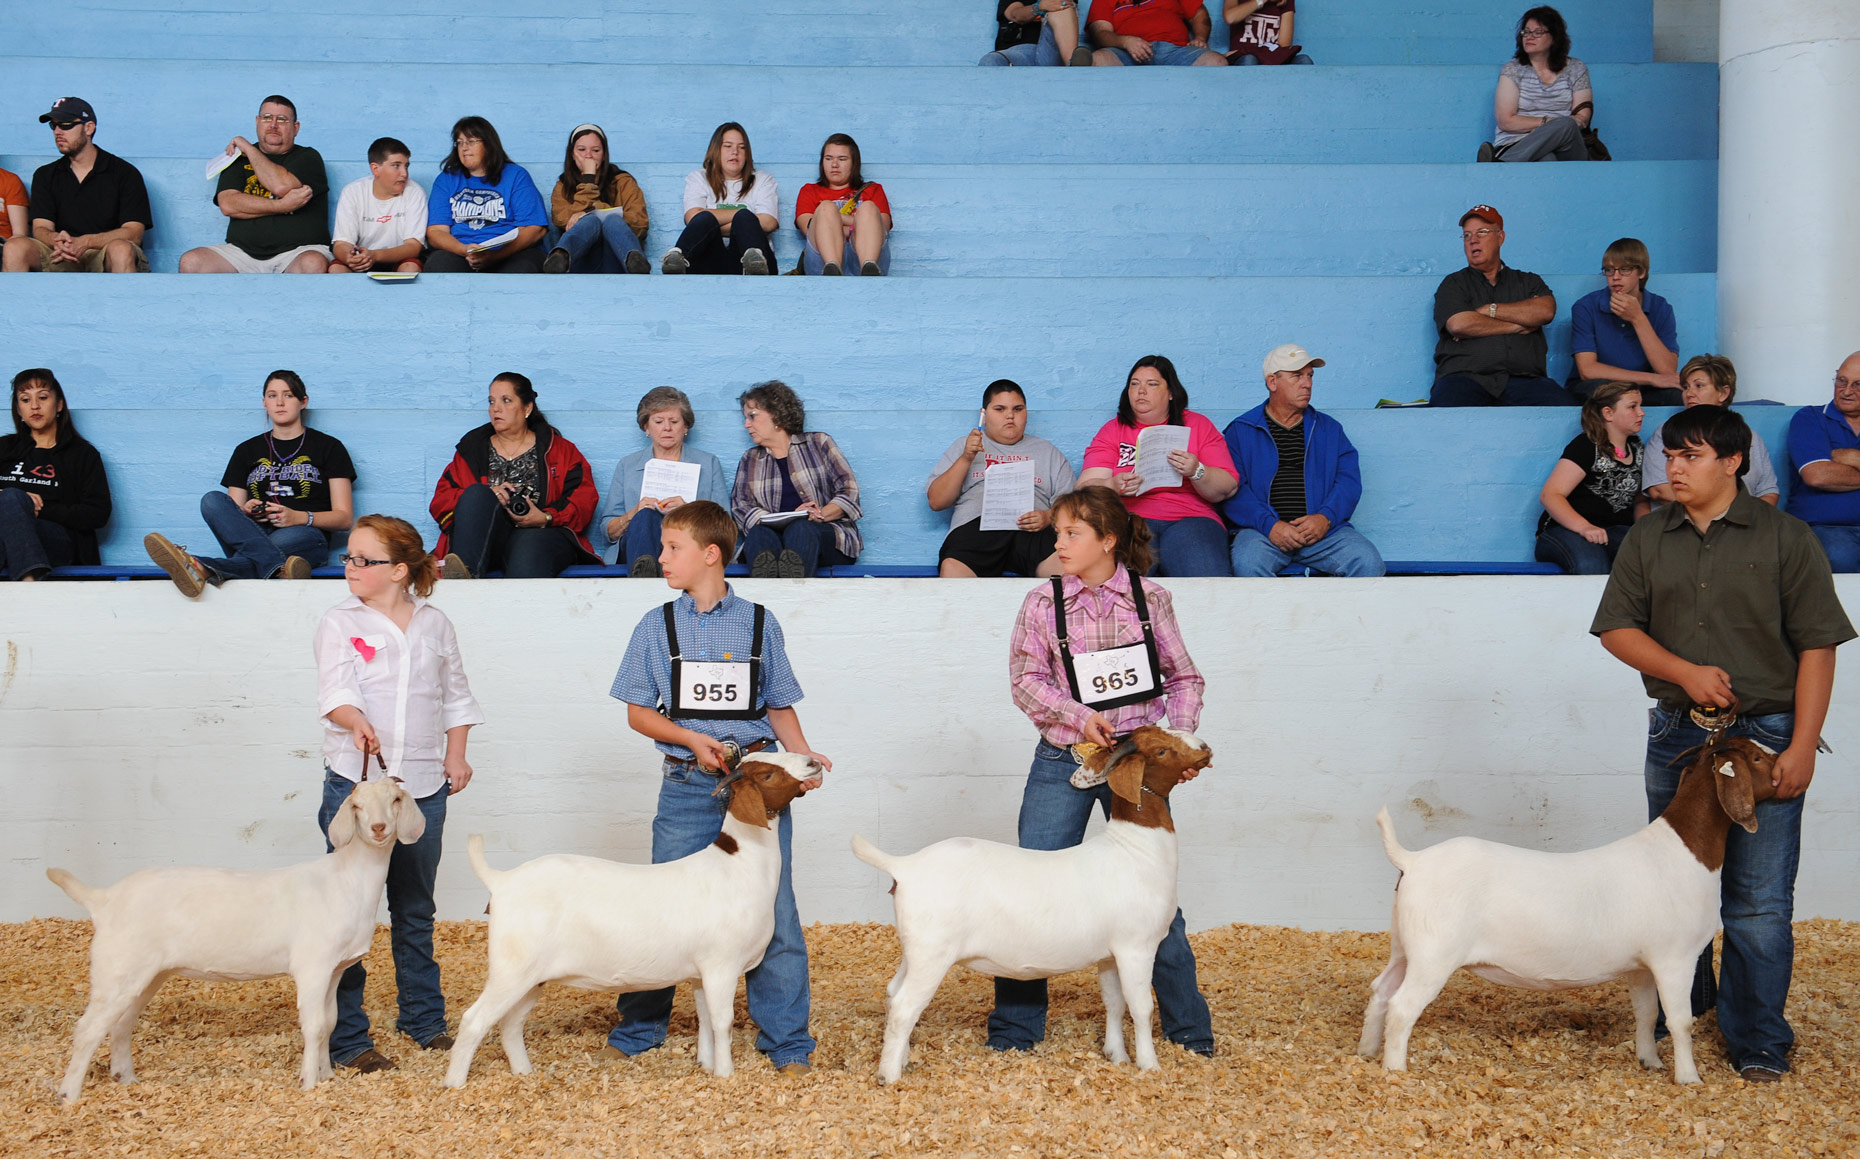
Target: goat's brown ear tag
<point x="1737" y="789"/>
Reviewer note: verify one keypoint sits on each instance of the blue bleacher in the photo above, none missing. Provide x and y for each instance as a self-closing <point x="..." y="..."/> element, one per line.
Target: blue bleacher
<point x="1052" y="226"/>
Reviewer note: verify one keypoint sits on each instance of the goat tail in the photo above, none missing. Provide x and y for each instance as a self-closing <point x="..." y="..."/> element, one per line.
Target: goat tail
<point x="80" y="893"/>
<point x="474" y="848"/>
<point x="1398" y="857"/>
<point x="872" y="855"/>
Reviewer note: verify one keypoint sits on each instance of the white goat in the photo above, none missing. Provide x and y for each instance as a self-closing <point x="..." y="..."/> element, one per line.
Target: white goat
<point x="311" y="920"/>
<point x="1024" y="913"/>
<point x="1643" y="907"/>
<point x="604" y="925"/>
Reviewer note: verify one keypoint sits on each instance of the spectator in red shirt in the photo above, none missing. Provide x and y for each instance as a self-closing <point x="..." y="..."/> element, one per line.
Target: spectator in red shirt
<point x="841" y="208"/>
<point x="1151" y="32"/>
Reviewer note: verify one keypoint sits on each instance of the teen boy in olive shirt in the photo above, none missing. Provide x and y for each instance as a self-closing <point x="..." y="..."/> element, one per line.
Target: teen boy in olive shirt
<point x="1720" y="599"/>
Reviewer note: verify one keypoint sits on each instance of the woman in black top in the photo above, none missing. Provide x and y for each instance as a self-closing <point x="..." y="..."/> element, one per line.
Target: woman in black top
<point x="1593" y="494"/>
<point x="286" y="491"/>
<point x="53" y="491"/>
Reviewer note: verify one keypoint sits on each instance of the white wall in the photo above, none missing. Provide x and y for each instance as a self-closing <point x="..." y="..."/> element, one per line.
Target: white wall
<point x="139" y="729"/>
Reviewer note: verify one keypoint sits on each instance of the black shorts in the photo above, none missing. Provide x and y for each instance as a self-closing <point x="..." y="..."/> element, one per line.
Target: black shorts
<point x="995" y="553"/>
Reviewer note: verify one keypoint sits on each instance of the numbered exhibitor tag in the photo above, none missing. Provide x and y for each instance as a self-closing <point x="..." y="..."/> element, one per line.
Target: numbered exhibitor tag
<point x="1114" y="676"/>
<point x="712" y="686"/>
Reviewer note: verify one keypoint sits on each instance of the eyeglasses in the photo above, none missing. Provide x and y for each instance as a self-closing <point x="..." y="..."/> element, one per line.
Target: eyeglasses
<point x="1845" y="385"/>
<point x="363" y="561"/>
<point x="1468" y="235"/>
<point x="66" y="126"/>
<point x="276" y="119"/>
<point x="1535" y="32"/>
<point x="1610" y="271"/>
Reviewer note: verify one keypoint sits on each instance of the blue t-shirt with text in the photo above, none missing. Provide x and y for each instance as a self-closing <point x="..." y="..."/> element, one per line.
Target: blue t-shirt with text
<point x="477" y="211"/>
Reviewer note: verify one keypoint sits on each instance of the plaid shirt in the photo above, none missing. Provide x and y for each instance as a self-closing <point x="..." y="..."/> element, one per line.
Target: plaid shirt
<point x="1097" y="618"/>
<point x="821" y="475"/>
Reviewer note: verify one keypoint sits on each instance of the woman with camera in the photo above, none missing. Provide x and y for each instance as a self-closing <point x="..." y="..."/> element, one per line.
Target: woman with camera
<point x="517" y="496"/>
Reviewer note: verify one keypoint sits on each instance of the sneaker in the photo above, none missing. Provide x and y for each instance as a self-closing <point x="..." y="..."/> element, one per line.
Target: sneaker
<point x="675" y="262"/>
<point x="789" y="566"/>
<point x="295" y="567"/>
<point x="636" y="262"/>
<point x="454" y="567"/>
<point x="371" y="1061"/>
<point x="763" y="566"/>
<point x="1759" y="1073"/>
<point x="556" y="262"/>
<point x="830" y="269"/>
<point x="1081" y="57"/>
<point x="1487" y="152"/>
<point x="647" y="567"/>
<point x="174" y="560"/>
<point x="870" y="270"/>
<point x="755" y="263"/>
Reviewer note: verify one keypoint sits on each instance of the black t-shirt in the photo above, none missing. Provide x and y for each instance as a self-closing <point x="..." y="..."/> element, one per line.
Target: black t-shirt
<point x="1498" y="356"/>
<point x="293" y="472"/>
<point x="110" y="196"/>
<point x="1609" y="486"/>
<point x="1007" y="33"/>
<point x="1287" y="494"/>
<point x="267" y="237"/>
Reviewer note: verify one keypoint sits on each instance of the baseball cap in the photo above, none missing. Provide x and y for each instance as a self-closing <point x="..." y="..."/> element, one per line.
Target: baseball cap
<point x="69" y="110"/>
<point x="1290" y="356"/>
<point x="1484" y="213"/>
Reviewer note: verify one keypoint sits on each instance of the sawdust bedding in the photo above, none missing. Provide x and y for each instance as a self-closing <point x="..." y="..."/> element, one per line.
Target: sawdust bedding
<point x="1496" y="1071"/>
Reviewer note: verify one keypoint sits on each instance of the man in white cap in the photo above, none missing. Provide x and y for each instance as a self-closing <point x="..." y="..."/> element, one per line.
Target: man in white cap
<point x="1299" y="481"/>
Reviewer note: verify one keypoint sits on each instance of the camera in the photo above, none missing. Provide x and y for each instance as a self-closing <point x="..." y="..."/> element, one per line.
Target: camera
<point x="519" y="504"/>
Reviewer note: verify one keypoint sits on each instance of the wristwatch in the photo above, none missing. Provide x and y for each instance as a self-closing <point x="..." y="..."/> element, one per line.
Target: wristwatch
<point x="1492" y="309"/>
<point x="1201" y="471"/>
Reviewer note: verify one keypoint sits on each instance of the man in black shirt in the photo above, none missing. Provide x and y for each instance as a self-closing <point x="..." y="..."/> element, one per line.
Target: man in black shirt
<point x="89" y="209"/>
<point x="1491" y="318"/>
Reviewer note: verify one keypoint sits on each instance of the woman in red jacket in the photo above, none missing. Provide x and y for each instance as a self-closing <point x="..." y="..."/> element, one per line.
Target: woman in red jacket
<point x="516" y="496"/>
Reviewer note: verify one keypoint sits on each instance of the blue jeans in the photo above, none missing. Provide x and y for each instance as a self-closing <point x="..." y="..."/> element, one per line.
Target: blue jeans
<point x="1560" y="140"/>
<point x="1044" y="53"/>
<point x="1841" y="542"/>
<point x="1574" y="554"/>
<point x="1461" y="390"/>
<point x="1165" y="53"/>
<point x="28" y="544"/>
<point x="411" y="872"/>
<point x="586" y="254"/>
<point x="1344" y="551"/>
<point x="486" y="538"/>
<point x="1758" y="895"/>
<point x="688" y="820"/>
<point x="1053" y="815"/>
<point x="1189" y="547"/>
<point x="641" y="537"/>
<point x="710" y="252"/>
<point x="1249" y="58"/>
<point x="255" y="552"/>
<point x="812" y="263"/>
<point x="813" y="542"/>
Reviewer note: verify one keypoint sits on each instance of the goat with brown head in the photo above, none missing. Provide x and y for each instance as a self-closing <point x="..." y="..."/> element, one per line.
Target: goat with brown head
<point x="1739" y="774"/>
<point x="761" y="786"/>
<point x="1154" y="760"/>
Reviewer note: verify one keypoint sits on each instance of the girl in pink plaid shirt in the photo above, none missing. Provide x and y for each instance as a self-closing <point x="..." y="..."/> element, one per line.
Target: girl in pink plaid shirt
<point x="1108" y="678"/>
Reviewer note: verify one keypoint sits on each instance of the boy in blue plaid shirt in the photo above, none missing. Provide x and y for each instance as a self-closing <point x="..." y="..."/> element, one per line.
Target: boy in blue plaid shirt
<point x="708" y="668"/>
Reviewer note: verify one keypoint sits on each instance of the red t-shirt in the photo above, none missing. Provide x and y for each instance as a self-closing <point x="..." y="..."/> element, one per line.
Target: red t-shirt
<point x="1252" y="35"/>
<point x="1115" y="448"/>
<point x="12" y="192"/>
<point x="813" y="193"/>
<point x="1153" y="20"/>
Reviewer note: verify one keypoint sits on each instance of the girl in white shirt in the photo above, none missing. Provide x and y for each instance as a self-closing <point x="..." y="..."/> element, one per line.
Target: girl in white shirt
<point x="730" y="212"/>
<point x="392" y="692"/>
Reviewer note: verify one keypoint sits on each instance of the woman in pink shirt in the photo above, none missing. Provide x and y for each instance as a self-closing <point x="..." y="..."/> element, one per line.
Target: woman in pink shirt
<point x="1179" y="509"/>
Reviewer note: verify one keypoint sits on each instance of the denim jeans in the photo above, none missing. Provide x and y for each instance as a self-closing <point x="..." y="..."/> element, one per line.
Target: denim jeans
<point x="1841" y="542"/>
<point x="411" y="872"/>
<point x="584" y="242"/>
<point x="1344" y="551"/>
<point x="813" y="542"/>
<point x="29" y="544"/>
<point x="1758" y="904"/>
<point x="1164" y="53"/>
<point x="1560" y="140"/>
<point x="641" y="537"/>
<point x="710" y="252"/>
<point x="1249" y="58"/>
<point x="1189" y="547"/>
<point x="1574" y="554"/>
<point x="1044" y="53"/>
<point x="812" y="263"/>
<point x="1053" y="815"/>
<point x="254" y="552"/>
<point x="688" y="820"/>
<point x="485" y="537"/>
<point x="1462" y="390"/>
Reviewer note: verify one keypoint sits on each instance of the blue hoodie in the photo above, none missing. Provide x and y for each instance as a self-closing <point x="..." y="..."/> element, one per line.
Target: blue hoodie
<point x="1333" y="484"/>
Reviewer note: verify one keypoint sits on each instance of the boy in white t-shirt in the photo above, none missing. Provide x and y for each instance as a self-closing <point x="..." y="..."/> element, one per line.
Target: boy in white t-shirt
<point x="381" y="220"/>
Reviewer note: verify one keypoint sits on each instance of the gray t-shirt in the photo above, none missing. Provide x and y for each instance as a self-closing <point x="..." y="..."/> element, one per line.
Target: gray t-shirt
<point x="1760" y="480"/>
<point x="1537" y="99"/>
<point x="1052" y="474"/>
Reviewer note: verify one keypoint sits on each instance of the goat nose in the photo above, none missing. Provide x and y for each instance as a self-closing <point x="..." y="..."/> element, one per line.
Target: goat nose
<point x="380" y="828"/>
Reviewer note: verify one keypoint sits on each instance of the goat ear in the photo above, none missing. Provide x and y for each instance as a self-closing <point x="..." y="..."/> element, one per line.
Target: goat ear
<point x="410" y="826"/>
<point x="1126" y="778"/>
<point x="1736" y="782"/>
<point x="746" y="803"/>
<point x="342" y="825"/>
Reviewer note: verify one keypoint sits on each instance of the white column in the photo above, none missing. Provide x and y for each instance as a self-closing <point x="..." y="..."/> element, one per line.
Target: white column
<point x="1788" y="194"/>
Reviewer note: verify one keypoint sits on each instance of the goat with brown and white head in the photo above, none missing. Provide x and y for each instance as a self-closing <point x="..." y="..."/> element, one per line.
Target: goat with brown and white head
<point x="607" y="925"/>
<point x="1026" y="913"/>
<point x="1643" y="908"/>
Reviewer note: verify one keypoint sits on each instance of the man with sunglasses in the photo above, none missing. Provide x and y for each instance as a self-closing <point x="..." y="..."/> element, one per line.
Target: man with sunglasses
<point x="89" y="209"/>
<point x="1824" y="450"/>
<point x="276" y="197"/>
<point x="1491" y="318"/>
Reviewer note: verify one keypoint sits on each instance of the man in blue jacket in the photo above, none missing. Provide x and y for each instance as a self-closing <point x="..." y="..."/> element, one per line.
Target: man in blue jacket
<point x="1299" y="481"/>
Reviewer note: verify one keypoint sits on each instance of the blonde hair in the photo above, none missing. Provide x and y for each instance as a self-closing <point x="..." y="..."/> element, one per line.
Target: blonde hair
<point x="403" y="545"/>
<point x="1718" y="368"/>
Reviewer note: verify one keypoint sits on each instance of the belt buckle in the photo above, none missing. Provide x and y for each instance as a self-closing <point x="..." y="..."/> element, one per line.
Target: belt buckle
<point x="1711" y="718"/>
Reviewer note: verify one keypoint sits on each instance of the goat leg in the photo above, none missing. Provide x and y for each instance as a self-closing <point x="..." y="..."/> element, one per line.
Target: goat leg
<point x="715" y="998"/>
<point x="1134" y="968"/>
<point x="1421" y="983"/>
<point x="1111" y="987"/>
<point x="1646" y="995"/>
<point x="907" y="1005"/>
<point x="510" y="1031"/>
<point x="1386" y="983"/>
<point x="122" y="1056"/>
<point x="1675" y="984"/>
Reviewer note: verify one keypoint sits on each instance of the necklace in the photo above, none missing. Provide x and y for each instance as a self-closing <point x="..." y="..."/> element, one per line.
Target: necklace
<point x="279" y="457"/>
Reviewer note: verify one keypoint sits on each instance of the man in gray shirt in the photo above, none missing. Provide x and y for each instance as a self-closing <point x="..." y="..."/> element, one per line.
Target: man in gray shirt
<point x="957" y="481"/>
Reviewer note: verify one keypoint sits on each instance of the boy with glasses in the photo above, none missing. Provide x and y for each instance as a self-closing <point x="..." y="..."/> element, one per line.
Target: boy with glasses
<point x="89" y="209"/>
<point x="1624" y="332"/>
